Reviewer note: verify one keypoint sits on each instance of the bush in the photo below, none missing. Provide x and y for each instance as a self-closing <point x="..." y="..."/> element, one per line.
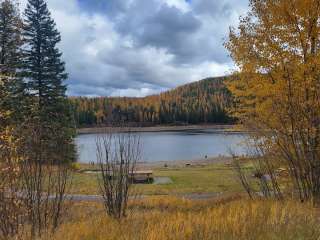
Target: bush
<point x="75" y="167"/>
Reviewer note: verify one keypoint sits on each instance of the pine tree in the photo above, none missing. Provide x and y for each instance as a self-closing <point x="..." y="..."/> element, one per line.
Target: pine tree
<point x="10" y="55"/>
<point x="12" y="108"/>
<point x="50" y="146"/>
<point x="10" y="37"/>
<point x="42" y="62"/>
<point x="44" y="68"/>
<point x="45" y="74"/>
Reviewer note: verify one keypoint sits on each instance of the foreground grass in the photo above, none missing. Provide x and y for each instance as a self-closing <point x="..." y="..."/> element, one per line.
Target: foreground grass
<point x="195" y="179"/>
<point x="168" y="218"/>
<point x="160" y="218"/>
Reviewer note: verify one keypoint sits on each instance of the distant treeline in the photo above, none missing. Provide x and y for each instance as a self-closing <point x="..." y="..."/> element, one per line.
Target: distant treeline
<point x="205" y="101"/>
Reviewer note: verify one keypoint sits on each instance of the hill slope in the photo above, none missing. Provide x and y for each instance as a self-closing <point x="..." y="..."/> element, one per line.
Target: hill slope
<point x="204" y="101"/>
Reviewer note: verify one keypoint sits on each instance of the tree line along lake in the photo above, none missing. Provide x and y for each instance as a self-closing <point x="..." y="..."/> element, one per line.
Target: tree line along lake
<point x="187" y="144"/>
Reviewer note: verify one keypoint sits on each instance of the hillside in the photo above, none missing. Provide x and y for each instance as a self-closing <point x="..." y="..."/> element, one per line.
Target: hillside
<point x="204" y="101"/>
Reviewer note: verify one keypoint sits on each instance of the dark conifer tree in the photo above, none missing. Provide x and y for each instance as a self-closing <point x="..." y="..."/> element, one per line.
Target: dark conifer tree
<point x="50" y="146"/>
<point x="43" y="66"/>
<point x="10" y="56"/>
<point x="10" y="37"/>
<point x="45" y="74"/>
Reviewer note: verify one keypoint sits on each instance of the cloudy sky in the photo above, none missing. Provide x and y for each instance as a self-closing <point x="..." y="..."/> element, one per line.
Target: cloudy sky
<point x="142" y="47"/>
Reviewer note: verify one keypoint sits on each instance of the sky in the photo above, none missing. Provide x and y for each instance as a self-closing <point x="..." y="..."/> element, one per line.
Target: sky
<point x="136" y="48"/>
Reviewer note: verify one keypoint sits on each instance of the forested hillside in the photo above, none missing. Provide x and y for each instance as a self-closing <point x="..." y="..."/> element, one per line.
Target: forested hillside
<point x="204" y="101"/>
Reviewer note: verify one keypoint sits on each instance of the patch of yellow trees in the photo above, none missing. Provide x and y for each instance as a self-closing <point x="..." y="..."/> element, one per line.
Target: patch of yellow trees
<point x="277" y="86"/>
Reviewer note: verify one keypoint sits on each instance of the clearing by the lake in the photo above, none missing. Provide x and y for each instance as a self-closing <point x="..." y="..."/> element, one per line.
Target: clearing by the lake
<point x="214" y="175"/>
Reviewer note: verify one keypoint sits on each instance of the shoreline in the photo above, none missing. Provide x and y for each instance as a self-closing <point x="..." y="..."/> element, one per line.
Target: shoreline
<point x="172" y="164"/>
<point x="185" y="163"/>
<point x="163" y="128"/>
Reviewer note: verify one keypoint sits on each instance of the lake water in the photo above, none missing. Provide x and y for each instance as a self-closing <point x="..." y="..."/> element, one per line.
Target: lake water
<point x="171" y="146"/>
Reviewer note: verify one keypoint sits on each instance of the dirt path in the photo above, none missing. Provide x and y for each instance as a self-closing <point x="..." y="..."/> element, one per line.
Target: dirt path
<point x="98" y="198"/>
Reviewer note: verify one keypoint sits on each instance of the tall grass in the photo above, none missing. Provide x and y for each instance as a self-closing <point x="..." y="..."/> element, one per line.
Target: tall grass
<point x="171" y="219"/>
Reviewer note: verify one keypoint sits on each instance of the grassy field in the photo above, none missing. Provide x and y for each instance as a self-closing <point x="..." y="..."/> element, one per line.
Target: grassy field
<point x="230" y="215"/>
<point x="211" y="178"/>
<point x="169" y="218"/>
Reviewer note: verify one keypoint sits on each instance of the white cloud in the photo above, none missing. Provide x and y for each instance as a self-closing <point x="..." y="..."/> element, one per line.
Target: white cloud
<point x="180" y="4"/>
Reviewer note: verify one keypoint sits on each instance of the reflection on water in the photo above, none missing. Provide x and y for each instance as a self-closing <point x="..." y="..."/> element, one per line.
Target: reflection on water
<point x="171" y="146"/>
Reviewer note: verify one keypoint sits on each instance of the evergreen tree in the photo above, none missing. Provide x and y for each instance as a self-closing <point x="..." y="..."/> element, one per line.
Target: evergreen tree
<point x="45" y="74"/>
<point x="43" y="65"/>
<point x="10" y="55"/>
<point x="50" y="146"/>
<point x="10" y="37"/>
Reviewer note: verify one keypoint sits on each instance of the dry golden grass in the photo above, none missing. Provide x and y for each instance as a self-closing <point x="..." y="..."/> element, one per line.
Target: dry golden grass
<point x="172" y="218"/>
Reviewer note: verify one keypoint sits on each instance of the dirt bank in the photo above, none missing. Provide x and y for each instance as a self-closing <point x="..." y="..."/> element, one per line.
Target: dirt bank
<point x="160" y="128"/>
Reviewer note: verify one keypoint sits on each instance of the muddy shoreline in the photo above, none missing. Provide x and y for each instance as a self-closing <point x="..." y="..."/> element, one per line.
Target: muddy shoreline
<point x="161" y="128"/>
<point x="171" y="164"/>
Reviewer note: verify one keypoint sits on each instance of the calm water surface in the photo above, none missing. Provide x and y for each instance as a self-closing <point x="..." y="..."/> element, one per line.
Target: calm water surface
<point x="171" y="146"/>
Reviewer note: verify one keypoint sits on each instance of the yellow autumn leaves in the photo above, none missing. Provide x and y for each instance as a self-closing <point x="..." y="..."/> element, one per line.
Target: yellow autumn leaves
<point x="277" y="87"/>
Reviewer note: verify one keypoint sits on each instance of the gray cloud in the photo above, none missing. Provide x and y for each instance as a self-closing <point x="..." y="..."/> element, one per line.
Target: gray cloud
<point x="110" y="7"/>
<point x="137" y="48"/>
<point x="166" y="28"/>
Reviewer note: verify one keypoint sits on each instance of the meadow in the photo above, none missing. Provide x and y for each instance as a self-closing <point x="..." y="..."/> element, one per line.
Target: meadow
<point x="167" y="213"/>
<point x="211" y="178"/>
<point x="170" y="218"/>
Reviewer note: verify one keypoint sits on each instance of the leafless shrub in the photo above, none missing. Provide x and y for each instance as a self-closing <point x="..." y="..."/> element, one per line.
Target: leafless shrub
<point x="45" y="179"/>
<point x="117" y="156"/>
<point x="299" y="149"/>
<point x="242" y="175"/>
<point x="265" y="167"/>
<point x="263" y="170"/>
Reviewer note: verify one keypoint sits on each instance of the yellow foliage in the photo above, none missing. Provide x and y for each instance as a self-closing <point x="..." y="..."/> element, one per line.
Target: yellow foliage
<point x="277" y="87"/>
<point x="9" y="158"/>
<point x="277" y="50"/>
<point x="11" y="210"/>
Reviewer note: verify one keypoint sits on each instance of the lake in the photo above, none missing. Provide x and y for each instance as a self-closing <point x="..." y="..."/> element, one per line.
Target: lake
<point x="171" y="146"/>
